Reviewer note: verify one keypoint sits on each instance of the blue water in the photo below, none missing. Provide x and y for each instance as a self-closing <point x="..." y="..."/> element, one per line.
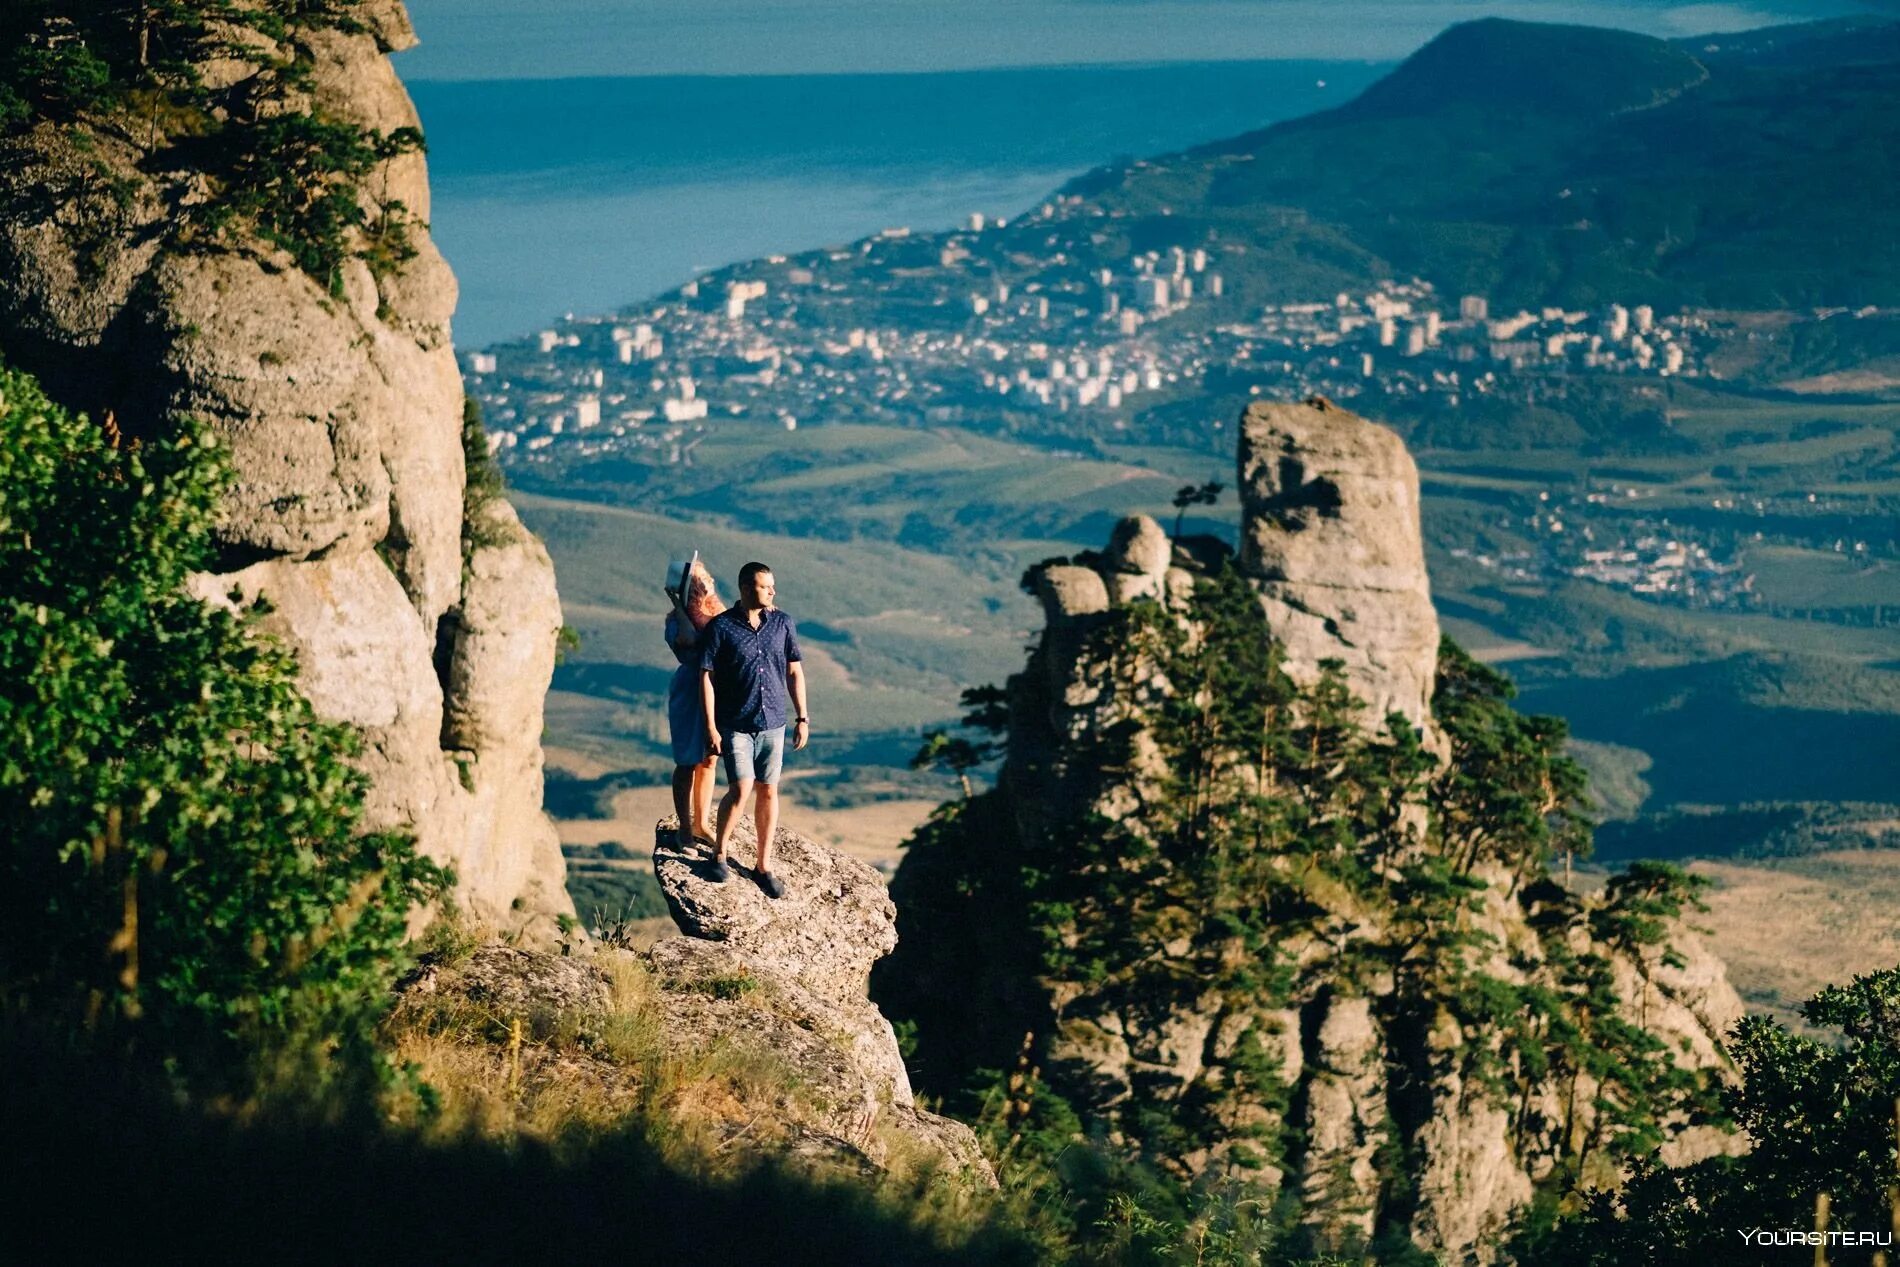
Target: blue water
<point x="585" y="195"/>
<point x="548" y="39"/>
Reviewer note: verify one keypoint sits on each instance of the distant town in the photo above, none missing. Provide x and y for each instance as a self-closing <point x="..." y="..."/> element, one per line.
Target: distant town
<point x="999" y="325"/>
<point x="745" y="344"/>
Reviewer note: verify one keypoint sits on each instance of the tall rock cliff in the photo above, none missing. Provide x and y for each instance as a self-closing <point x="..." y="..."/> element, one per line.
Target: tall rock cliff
<point x="1398" y="1034"/>
<point x="427" y="622"/>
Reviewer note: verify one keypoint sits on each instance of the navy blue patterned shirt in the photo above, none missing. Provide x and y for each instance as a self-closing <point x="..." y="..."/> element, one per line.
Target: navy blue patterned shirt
<point x="748" y="668"/>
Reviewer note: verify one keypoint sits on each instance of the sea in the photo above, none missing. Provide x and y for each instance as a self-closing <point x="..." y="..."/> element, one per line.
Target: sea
<point x="588" y="196"/>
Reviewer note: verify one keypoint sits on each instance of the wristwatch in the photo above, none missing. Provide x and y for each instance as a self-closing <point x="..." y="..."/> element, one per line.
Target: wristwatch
<point x="806" y="720"/>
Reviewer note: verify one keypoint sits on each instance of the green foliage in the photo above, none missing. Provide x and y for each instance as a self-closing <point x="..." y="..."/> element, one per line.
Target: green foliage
<point x="988" y="714"/>
<point x="952" y="754"/>
<point x="297" y="180"/>
<point x="482" y="480"/>
<point x="182" y="861"/>
<point x="1194" y="495"/>
<point x="482" y="484"/>
<point x="54" y="75"/>
<point x="1820" y="1118"/>
<point x="1642" y="904"/>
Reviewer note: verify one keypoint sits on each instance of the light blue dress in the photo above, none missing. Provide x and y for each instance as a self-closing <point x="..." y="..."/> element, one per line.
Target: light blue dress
<point x="685" y="711"/>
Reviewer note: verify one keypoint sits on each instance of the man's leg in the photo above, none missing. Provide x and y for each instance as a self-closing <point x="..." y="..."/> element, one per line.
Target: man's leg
<point x="768" y="759"/>
<point x="738" y="785"/>
<point x="765" y="820"/>
<point x="736" y="793"/>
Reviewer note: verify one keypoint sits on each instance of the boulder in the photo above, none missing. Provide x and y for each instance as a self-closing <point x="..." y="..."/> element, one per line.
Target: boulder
<point x="1137" y="560"/>
<point x="788" y="977"/>
<point x="835" y="920"/>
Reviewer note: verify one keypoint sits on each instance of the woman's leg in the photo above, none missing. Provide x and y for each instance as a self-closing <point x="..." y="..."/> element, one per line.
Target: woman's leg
<point x="703" y="781"/>
<point x="684" y="778"/>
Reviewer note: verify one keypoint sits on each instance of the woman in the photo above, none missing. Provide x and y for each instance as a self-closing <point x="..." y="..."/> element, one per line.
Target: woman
<point x="695" y="604"/>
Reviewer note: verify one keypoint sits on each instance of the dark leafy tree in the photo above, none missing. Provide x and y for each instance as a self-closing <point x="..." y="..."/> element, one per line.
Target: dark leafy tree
<point x="1819" y="1116"/>
<point x="183" y="866"/>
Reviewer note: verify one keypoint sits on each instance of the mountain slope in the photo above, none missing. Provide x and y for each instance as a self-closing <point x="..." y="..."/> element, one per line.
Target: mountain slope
<point x="1548" y="164"/>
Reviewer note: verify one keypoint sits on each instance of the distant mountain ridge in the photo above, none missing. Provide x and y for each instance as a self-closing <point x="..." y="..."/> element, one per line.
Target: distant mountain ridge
<point x="1573" y="165"/>
<point x="1494" y="63"/>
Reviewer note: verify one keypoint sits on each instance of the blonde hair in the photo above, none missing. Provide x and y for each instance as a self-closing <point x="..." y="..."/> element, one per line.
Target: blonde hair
<point x="702" y="596"/>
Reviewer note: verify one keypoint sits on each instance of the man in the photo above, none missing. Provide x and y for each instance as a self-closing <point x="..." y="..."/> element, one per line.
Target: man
<point x="749" y="660"/>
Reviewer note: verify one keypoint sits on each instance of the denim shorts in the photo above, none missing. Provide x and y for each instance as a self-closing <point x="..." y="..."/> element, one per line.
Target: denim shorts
<point x="753" y="754"/>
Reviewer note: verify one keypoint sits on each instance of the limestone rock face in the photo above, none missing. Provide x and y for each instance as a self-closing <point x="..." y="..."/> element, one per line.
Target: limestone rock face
<point x="1346" y="1117"/>
<point x="1330" y="535"/>
<point x="807" y="956"/>
<point x="342" y="414"/>
<point x="363" y="659"/>
<point x="510" y="983"/>
<point x="501" y="659"/>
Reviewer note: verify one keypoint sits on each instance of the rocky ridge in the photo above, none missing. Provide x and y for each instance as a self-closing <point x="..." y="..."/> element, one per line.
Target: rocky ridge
<point x="343" y="415"/>
<point x="750" y="1030"/>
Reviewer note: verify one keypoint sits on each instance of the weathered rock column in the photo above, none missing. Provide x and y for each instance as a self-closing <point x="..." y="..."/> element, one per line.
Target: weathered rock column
<point x="1330" y="536"/>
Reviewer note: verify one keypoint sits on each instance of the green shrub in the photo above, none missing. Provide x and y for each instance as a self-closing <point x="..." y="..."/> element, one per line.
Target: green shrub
<point x="182" y="863"/>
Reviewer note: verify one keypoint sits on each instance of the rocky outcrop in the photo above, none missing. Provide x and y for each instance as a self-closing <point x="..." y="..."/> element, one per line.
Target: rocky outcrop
<point x="1355" y="1091"/>
<point x="341" y="409"/>
<point x="785" y="979"/>
<point x="1330" y="535"/>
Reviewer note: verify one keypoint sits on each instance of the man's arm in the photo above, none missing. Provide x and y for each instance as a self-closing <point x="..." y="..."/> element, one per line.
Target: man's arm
<point x="706" y="704"/>
<point x="795" y="678"/>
